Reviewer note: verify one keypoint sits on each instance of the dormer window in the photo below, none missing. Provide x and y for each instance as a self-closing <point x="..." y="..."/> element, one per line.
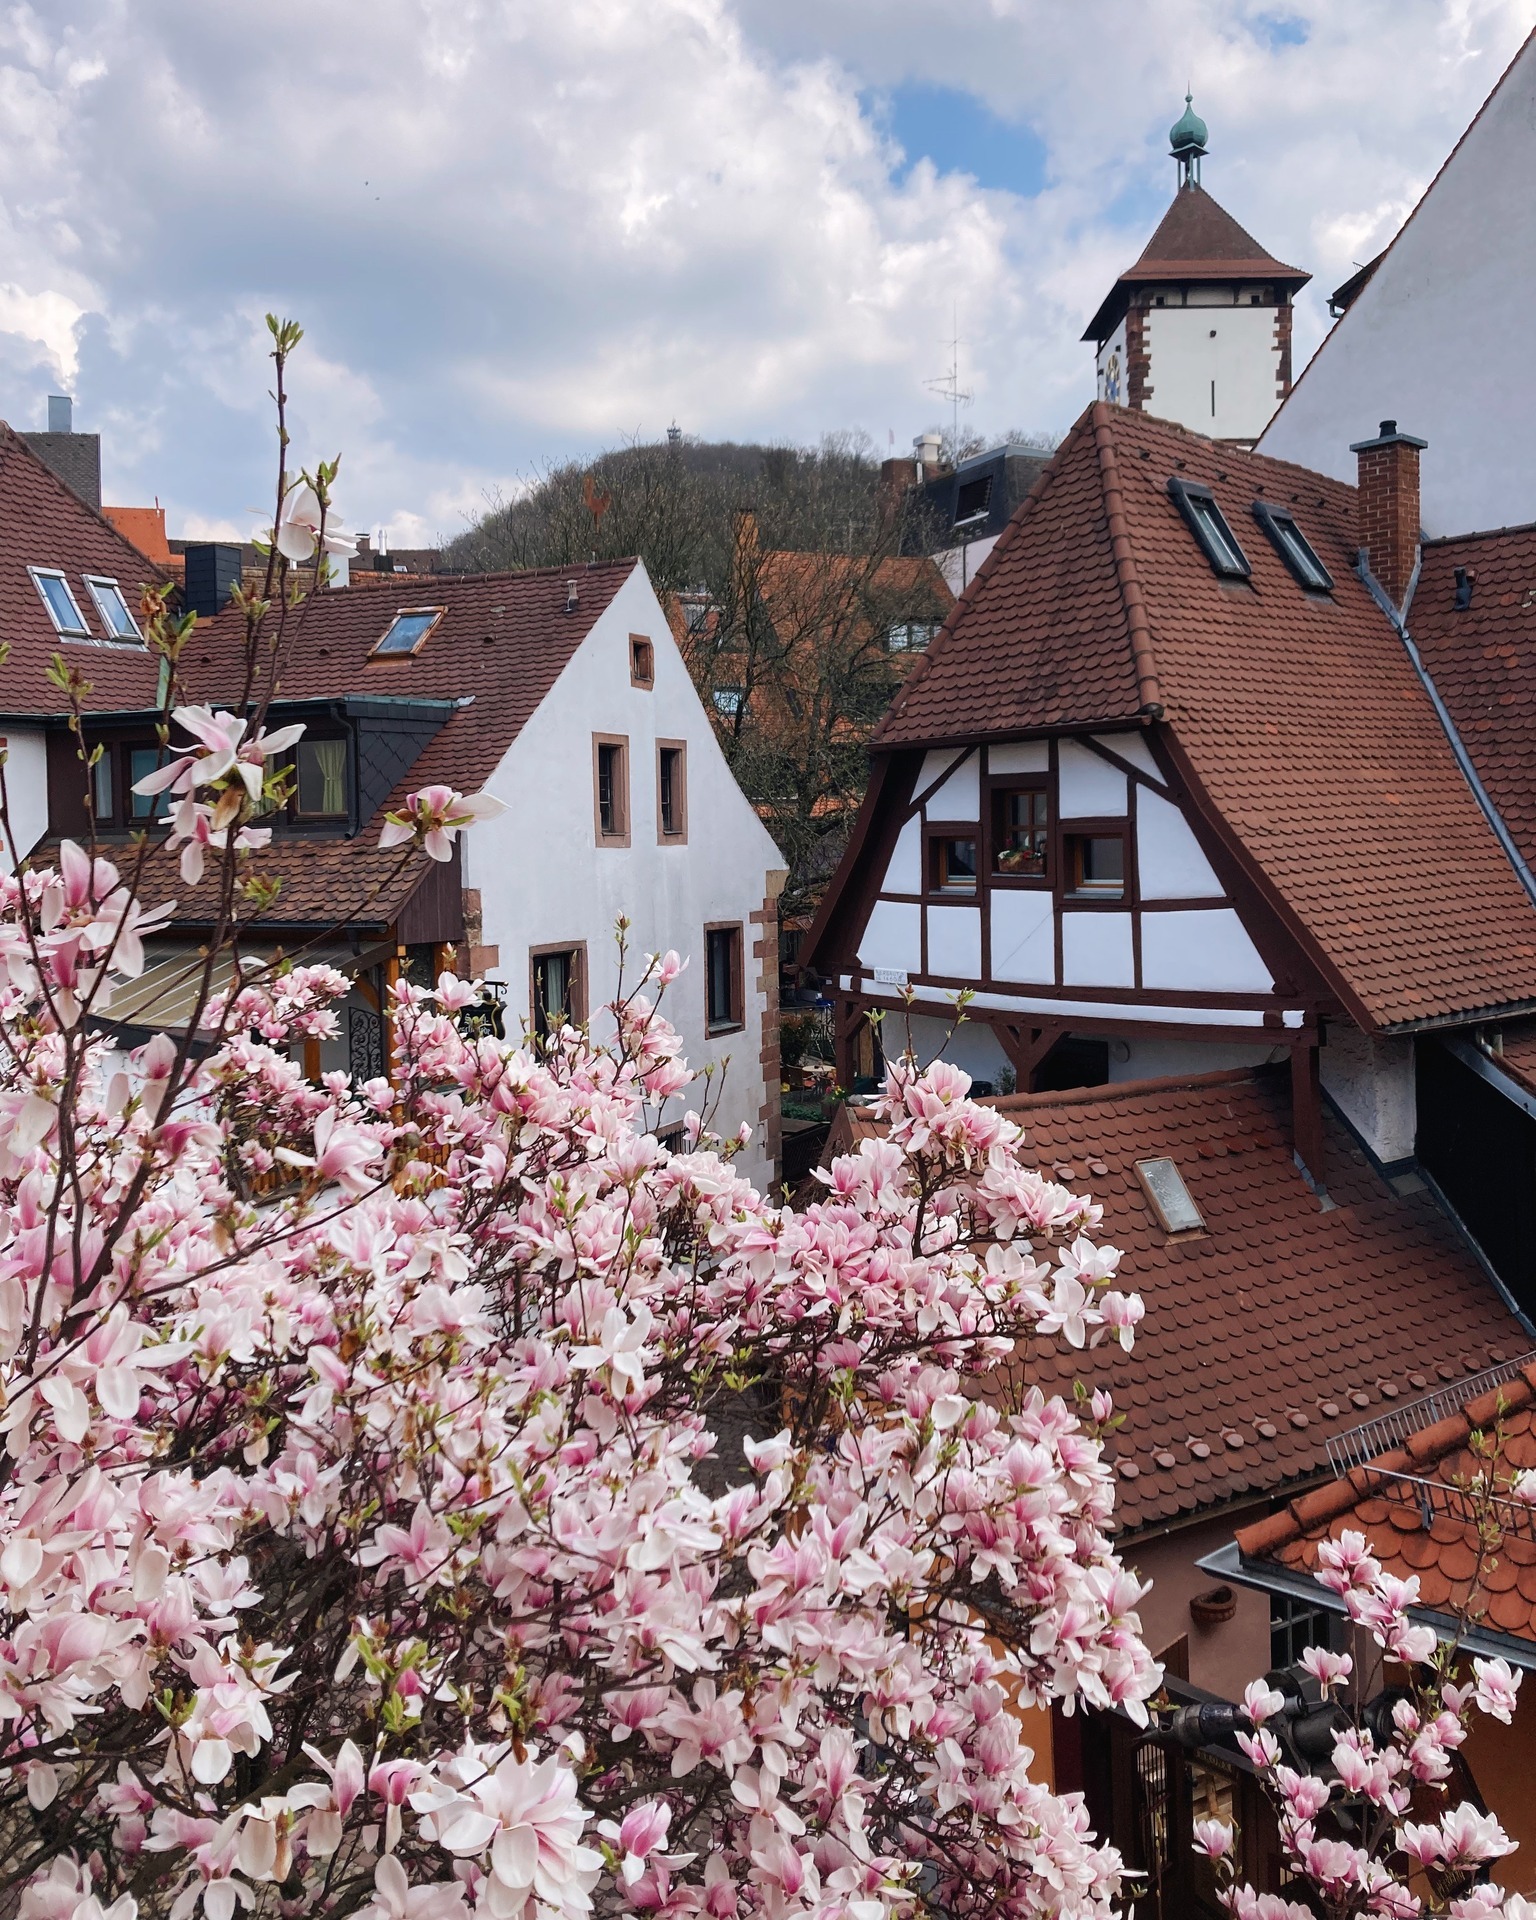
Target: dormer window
<point x="910" y="636"/>
<point x="320" y="780"/>
<point x="406" y="632"/>
<point x="1293" y="547"/>
<point x="112" y="605"/>
<point x="1208" y="524"/>
<point x="972" y="499"/>
<point x="62" y="611"/>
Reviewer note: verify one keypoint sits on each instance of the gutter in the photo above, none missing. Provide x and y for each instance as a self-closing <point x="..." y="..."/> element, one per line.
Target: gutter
<point x="1228" y="1563"/>
<point x="1463" y="758"/>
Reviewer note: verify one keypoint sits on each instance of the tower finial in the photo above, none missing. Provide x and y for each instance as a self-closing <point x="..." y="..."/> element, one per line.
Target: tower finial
<point x="1187" y="139"/>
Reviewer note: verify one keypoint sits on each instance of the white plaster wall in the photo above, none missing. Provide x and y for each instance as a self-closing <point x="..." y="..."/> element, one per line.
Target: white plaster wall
<point x="1133" y="747"/>
<point x="960" y="796"/>
<point x="1096" y="950"/>
<point x="1155" y="1057"/>
<point x="1371" y="1080"/>
<point x="1206" y="950"/>
<point x="1111" y="368"/>
<point x="1086" y="785"/>
<point x="1438" y="338"/>
<point x="26" y="789"/>
<point x="973" y="1046"/>
<point x="1169" y="861"/>
<point x="904" y="873"/>
<point x="1019" y="756"/>
<point x="954" y="942"/>
<point x="543" y="880"/>
<point x="1023" y="935"/>
<point x="893" y="936"/>
<point x="1189" y="347"/>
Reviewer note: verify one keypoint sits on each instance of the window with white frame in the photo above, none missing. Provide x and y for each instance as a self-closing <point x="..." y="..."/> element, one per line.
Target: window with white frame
<point x="63" y="610"/>
<point x="112" y="605"/>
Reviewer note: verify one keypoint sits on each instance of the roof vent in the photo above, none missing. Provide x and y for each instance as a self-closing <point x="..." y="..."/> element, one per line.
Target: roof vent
<point x="1466" y="578"/>
<point x="572" y="595"/>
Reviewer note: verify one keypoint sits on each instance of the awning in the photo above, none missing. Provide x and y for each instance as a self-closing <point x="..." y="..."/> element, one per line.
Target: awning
<point x="165" y="995"/>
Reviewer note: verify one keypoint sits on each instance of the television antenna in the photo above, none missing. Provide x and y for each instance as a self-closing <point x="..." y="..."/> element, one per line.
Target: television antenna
<point x="947" y="386"/>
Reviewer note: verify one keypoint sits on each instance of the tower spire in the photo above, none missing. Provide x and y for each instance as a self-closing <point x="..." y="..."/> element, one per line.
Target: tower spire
<point x="1187" y="139"/>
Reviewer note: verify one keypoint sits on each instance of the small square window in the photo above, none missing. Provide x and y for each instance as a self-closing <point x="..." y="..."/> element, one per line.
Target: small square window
<point x="1021" y="832"/>
<point x="112" y="605"/>
<point x="642" y="661"/>
<point x="62" y="611"/>
<point x="972" y="499"/>
<point x="952" y="863"/>
<point x="320" y="780"/>
<point x="910" y="636"/>
<point x="1293" y="547"/>
<point x="406" y="632"/>
<point x="723" y="982"/>
<point x="728" y="701"/>
<point x="1096" y="865"/>
<point x="1294" y="1625"/>
<point x="1209" y="526"/>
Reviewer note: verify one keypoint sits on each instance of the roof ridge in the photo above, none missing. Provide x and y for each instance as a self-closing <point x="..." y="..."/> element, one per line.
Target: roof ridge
<point x="1038" y="488"/>
<point x="1148" y="690"/>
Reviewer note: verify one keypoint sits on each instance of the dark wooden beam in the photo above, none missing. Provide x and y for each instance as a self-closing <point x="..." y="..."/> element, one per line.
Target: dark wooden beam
<point x="1307" y="1111"/>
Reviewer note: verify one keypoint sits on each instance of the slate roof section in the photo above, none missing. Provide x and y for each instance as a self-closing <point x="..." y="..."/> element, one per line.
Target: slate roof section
<point x="1196" y="239"/>
<point x="1299" y="717"/>
<point x="1278" y="1327"/>
<point x="1444" y="1555"/>
<point x="43" y="524"/>
<point x="1482" y="658"/>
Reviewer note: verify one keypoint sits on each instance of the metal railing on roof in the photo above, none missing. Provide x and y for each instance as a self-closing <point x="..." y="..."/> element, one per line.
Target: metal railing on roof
<point x="1372" y="1438"/>
<point x="1464" y="1506"/>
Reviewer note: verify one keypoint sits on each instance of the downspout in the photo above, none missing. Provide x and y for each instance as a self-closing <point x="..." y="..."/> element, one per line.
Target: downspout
<point x="1463" y="758"/>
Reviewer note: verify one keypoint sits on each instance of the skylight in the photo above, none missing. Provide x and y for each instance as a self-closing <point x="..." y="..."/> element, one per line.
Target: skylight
<point x="112" y="605"/>
<point x="1164" y="1187"/>
<point x="1209" y="526"/>
<point x="1293" y="547"/>
<point x="60" y="602"/>
<point x="406" y="631"/>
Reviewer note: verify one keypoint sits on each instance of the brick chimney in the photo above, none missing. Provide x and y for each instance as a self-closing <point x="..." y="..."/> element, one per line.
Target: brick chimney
<point x="897" y="477"/>
<point x="1388" y="506"/>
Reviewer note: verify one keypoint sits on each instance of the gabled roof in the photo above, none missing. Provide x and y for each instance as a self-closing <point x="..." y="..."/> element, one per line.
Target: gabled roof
<point x="501" y="644"/>
<point x="43" y="524"/>
<point x="1410" y="1505"/>
<point x="1303" y="728"/>
<point x="1196" y="239"/>
<point x="1482" y="658"/>
<point x="1277" y="1327"/>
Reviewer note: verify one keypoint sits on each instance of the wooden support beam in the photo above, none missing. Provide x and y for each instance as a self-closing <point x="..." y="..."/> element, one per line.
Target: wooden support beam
<point x="1026" y="1047"/>
<point x="1307" y="1111"/>
<point x="846" y="1016"/>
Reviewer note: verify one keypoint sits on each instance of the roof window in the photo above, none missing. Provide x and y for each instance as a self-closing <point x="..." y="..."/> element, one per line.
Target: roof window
<point x="60" y="602"/>
<point x="1209" y="526"/>
<point x="1293" y="547"/>
<point x="1170" y="1199"/>
<point x="406" y="632"/>
<point x="112" y="605"/>
<point x="973" y="498"/>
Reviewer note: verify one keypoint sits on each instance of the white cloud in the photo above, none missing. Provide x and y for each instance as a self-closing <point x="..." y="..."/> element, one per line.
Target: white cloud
<point x="516" y="230"/>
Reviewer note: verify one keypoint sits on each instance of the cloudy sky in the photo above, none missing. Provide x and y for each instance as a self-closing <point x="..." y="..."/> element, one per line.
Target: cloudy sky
<point x="517" y="231"/>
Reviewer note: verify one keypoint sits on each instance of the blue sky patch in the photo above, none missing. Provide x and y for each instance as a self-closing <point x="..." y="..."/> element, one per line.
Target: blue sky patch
<point x="961" y="135"/>
<point x="1281" y="30"/>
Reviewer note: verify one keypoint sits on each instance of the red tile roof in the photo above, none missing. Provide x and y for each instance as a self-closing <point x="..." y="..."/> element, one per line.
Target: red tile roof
<point x="43" y="524"/>
<point x="1300" y="718"/>
<point x="501" y="643"/>
<point x="1196" y="239"/>
<point x="1438" y="1463"/>
<point x="1280" y="1324"/>
<point x="1483" y="661"/>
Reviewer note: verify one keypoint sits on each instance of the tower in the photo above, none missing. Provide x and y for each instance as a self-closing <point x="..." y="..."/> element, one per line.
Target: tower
<point x="1199" y="329"/>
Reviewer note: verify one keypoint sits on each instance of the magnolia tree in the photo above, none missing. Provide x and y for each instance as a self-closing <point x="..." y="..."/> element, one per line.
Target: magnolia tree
<point x="435" y="1499"/>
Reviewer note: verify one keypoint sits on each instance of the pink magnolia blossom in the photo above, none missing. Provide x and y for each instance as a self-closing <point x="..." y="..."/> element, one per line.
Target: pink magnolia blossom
<point x="433" y="817"/>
